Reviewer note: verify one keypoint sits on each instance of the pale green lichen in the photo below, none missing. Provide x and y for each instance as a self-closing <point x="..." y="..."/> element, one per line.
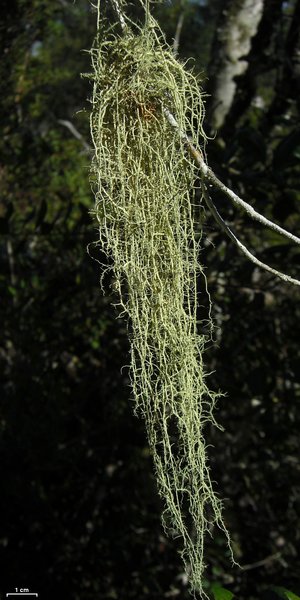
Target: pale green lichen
<point x="144" y="183"/>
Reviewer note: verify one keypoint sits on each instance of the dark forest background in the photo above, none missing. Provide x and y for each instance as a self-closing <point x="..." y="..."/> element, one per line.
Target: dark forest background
<point x="79" y="514"/>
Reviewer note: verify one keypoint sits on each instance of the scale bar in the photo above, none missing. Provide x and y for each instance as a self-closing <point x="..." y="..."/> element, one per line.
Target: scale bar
<point x="22" y="594"/>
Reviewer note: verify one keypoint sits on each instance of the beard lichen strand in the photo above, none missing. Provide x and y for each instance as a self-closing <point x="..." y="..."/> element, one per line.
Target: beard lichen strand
<point x="145" y="180"/>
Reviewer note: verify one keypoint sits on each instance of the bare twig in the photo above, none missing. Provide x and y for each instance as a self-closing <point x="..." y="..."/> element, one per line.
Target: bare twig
<point x="209" y="176"/>
<point x="178" y="33"/>
<point x="75" y="133"/>
<point x="239" y="244"/>
<point x="11" y="262"/>
<point x="119" y="14"/>
<point x="261" y="563"/>
<point x="249" y="209"/>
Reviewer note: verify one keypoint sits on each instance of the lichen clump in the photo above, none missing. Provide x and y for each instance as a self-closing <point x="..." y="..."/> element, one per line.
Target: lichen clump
<point x="144" y="183"/>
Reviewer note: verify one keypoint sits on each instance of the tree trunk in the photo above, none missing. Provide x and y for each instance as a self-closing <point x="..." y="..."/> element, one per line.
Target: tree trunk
<point x="238" y="23"/>
<point x="262" y="58"/>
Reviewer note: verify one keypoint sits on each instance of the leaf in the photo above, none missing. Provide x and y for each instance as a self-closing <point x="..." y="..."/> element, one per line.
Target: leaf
<point x="12" y="290"/>
<point x="285" y="594"/>
<point x="221" y="593"/>
<point x="291" y="596"/>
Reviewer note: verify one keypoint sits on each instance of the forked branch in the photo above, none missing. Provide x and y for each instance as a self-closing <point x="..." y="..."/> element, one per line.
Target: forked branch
<point x="237" y="242"/>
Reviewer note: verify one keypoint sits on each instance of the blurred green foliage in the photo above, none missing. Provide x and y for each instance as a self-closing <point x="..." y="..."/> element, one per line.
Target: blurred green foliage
<point x="220" y="593"/>
<point x="284" y="593"/>
<point x="80" y="517"/>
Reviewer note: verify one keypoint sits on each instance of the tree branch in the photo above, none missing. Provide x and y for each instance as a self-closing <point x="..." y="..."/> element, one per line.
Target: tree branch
<point x="75" y="133"/>
<point x="239" y="244"/>
<point x="178" y="33"/>
<point x="251" y="212"/>
<point x="208" y="176"/>
<point x="261" y="563"/>
<point x="119" y="14"/>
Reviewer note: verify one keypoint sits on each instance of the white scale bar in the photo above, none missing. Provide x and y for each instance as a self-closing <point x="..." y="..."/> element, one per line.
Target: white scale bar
<point x="21" y="594"/>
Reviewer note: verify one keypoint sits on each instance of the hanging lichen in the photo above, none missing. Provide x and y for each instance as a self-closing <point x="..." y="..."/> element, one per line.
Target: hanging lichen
<point x="144" y="183"/>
